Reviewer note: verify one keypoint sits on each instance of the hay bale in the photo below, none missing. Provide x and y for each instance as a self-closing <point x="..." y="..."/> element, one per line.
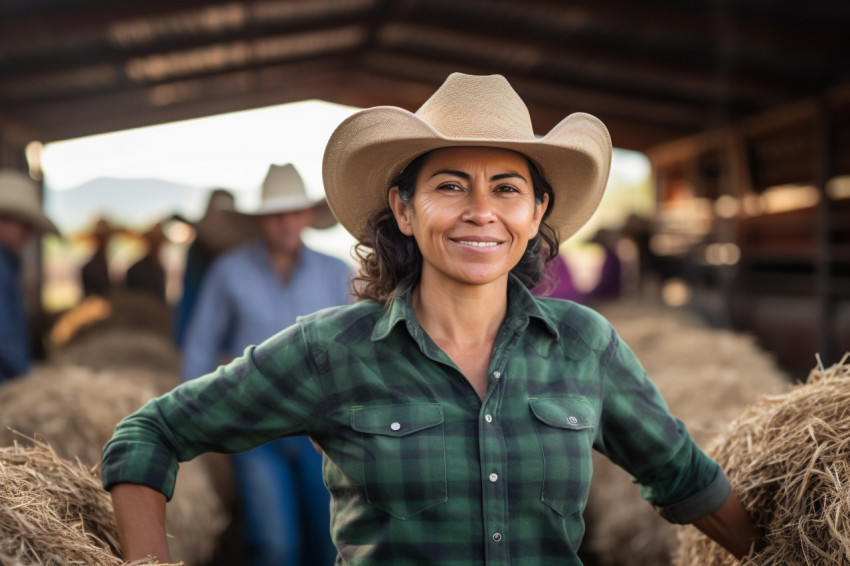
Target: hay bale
<point x="706" y="376"/>
<point x="119" y="349"/>
<point x="123" y="308"/>
<point x="53" y="511"/>
<point x="76" y="409"/>
<point x="788" y="457"/>
<point x="126" y="330"/>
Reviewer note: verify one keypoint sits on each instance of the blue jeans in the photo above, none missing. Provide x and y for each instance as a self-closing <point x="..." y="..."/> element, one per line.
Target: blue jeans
<point x="285" y="503"/>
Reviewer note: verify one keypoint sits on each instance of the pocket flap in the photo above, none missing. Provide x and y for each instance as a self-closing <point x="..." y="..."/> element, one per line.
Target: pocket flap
<point x="573" y="413"/>
<point x="396" y="420"/>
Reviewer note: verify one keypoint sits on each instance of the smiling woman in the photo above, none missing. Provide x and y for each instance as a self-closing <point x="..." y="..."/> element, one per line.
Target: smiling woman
<point x="456" y="412"/>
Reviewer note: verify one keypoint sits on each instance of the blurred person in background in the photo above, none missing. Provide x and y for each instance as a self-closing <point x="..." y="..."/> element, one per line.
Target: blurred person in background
<point x="21" y="218"/>
<point x="217" y="231"/>
<point x="610" y="283"/>
<point x="249" y="294"/>
<point x="557" y="281"/>
<point x="148" y="274"/>
<point x="94" y="274"/>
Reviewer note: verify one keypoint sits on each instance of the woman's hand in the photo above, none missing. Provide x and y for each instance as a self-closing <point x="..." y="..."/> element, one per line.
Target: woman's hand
<point x="140" y="514"/>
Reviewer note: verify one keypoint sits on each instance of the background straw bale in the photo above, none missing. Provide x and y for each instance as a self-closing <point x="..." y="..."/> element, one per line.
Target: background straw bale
<point x="76" y="409"/>
<point x="129" y="329"/>
<point x="123" y="308"/>
<point x="707" y="376"/>
<point x="120" y="349"/>
<point x="788" y="457"/>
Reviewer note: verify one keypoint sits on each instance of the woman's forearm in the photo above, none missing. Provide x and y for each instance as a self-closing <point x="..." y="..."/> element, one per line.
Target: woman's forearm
<point x="731" y="527"/>
<point x="140" y="514"/>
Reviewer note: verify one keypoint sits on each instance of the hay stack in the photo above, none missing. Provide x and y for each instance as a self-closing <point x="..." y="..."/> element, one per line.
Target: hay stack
<point x="120" y="349"/>
<point x="129" y="329"/>
<point x="707" y="376"/>
<point x="53" y="512"/>
<point x="76" y="409"/>
<point x="788" y="457"/>
<point x="124" y="308"/>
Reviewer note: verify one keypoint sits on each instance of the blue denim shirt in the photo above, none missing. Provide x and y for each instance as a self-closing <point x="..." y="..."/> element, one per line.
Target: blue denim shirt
<point x="14" y="333"/>
<point x="242" y="302"/>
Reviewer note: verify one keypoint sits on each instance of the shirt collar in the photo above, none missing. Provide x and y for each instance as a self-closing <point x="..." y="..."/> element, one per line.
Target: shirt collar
<point x="522" y="307"/>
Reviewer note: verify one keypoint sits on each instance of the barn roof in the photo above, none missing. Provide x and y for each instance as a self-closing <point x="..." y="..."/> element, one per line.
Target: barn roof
<point x="653" y="71"/>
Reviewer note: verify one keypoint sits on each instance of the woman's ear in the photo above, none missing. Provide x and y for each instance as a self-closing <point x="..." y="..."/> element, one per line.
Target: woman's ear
<point x="401" y="212"/>
<point x="539" y="212"/>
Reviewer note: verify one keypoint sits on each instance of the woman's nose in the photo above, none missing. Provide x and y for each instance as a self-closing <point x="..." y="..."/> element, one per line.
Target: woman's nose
<point x="479" y="206"/>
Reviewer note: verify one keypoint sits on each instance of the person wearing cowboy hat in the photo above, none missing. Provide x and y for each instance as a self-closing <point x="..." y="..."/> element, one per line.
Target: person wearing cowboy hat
<point x="21" y="217"/>
<point x="147" y="274"/>
<point x="456" y="411"/>
<point x="216" y="232"/>
<point x="250" y="293"/>
<point x="94" y="274"/>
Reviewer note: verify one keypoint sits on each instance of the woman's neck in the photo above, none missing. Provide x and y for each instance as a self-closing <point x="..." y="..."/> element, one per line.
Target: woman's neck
<point x="461" y="314"/>
<point x="464" y="322"/>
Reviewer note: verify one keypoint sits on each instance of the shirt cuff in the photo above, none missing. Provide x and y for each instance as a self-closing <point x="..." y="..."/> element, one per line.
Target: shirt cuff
<point x="700" y="504"/>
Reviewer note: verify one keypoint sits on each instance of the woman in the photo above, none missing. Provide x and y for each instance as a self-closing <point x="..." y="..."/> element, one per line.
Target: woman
<point x="455" y="411"/>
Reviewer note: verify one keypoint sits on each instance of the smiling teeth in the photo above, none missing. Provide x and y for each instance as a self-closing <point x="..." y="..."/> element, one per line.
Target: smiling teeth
<point x="479" y="244"/>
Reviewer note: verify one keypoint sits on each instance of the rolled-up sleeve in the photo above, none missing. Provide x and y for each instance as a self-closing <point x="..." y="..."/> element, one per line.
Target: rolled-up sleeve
<point x="270" y="391"/>
<point x="640" y="434"/>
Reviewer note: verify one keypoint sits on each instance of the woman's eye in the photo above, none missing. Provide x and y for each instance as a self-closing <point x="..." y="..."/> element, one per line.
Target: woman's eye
<point x="507" y="189"/>
<point x="450" y="187"/>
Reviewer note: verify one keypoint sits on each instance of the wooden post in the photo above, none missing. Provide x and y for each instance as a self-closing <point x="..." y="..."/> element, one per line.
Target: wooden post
<point x="823" y="167"/>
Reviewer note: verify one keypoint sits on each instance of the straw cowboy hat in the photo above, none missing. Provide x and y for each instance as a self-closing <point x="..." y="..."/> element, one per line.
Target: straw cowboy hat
<point x="219" y="229"/>
<point x="283" y="191"/>
<point x="371" y="147"/>
<point x="19" y="199"/>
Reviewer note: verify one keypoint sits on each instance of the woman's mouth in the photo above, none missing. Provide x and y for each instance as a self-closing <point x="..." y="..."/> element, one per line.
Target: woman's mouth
<point x="477" y="244"/>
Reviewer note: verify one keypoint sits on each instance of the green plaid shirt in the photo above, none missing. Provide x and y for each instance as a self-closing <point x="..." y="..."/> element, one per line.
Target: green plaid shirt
<point x="420" y="469"/>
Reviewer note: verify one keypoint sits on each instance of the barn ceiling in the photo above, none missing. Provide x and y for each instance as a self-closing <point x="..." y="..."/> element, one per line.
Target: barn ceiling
<point x="653" y="70"/>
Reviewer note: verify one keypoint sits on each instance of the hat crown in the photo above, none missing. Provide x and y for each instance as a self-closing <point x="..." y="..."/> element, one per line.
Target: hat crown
<point x="469" y="106"/>
<point x="283" y="182"/>
<point x="19" y="198"/>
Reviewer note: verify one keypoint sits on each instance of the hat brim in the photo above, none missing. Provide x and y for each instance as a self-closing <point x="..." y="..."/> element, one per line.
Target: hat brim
<point x="39" y="223"/>
<point x="323" y="218"/>
<point x="371" y="147"/>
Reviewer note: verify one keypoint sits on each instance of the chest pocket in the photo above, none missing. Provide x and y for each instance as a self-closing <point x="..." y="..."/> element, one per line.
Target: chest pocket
<point x="565" y="429"/>
<point x="404" y="456"/>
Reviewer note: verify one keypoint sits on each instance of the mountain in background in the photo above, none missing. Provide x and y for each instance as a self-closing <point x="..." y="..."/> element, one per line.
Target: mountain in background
<point x="134" y="203"/>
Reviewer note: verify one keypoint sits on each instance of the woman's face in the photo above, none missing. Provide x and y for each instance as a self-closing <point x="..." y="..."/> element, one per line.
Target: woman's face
<point x="472" y="215"/>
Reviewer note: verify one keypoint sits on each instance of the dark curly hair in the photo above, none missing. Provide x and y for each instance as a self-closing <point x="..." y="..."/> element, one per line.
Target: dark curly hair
<point x="390" y="260"/>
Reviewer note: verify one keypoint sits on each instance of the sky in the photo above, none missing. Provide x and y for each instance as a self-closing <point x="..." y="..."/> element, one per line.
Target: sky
<point x="233" y="151"/>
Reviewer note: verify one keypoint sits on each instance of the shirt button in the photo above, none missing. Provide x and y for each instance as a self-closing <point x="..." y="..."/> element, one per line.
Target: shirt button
<point x="395" y="426"/>
<point x="488" y="418"/>
<point x="494" y="478"/>
<point x="497" y="374"/>
<point x="572" y="420"/>
<point x="497" y="537"/>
